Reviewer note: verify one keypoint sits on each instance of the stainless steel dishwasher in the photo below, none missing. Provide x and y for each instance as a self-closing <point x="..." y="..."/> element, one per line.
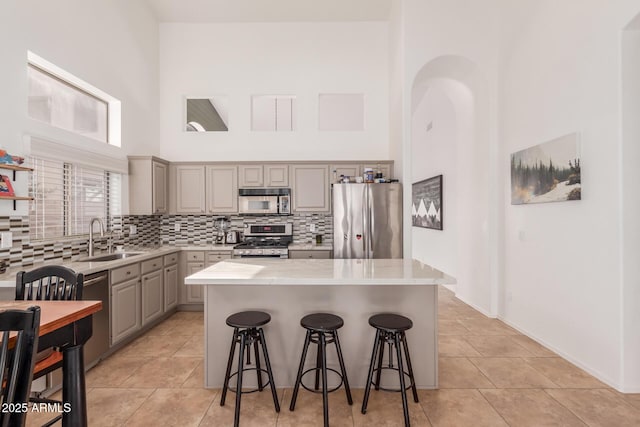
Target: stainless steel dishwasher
<point x="96" y="288"/>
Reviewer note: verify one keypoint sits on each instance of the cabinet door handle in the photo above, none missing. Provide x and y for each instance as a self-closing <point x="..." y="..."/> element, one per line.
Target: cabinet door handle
<point x="128" y="273"/>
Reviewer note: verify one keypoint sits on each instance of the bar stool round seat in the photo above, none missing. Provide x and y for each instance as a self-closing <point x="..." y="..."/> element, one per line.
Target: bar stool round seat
<point x="322" y="329"/>
<point x="247" y="333"/>
<point x="390" y="322"/>
<point x="248" y="319"/>
<point x="390" y="331"/>
<point x="324" y="322"/>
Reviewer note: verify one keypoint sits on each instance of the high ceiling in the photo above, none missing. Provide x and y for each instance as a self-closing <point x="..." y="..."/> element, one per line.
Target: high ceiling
<point x="270" y="10"/>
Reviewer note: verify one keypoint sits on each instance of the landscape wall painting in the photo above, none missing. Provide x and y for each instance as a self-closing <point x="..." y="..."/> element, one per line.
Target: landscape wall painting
<point x="426" y="205"/>
<point x="547" y="172"/>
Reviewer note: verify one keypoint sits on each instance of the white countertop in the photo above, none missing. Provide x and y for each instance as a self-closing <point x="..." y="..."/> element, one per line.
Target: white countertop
<point x="266" y="271"/>
<point x="8" y="278"/>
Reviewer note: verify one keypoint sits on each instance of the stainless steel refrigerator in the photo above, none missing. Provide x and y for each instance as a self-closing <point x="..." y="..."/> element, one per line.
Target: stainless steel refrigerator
<point x="367" y="220"/>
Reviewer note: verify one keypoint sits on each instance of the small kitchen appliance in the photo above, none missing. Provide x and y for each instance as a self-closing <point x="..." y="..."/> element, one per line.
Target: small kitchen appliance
<point x="265" y="241"/>
<point x="221" y="225"/>
<point x="232" y="237"/>
<point x="264" y="201"/>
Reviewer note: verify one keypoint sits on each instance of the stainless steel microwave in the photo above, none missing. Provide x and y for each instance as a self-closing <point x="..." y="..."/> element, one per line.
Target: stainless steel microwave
<point x="264" y="201"/>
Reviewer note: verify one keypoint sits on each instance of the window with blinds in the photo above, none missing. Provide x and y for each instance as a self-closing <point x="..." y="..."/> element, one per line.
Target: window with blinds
<point x="67" y="195"/>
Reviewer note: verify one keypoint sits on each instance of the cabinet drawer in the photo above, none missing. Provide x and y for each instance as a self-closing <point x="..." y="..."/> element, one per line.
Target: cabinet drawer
<point x="195" y="256"/>
<point x="171" y="259"/>
<point x="125" y="273"/>
<point x="151" y="265"/>
<point x="213" y="257"/>
<point x="302" y="254"/>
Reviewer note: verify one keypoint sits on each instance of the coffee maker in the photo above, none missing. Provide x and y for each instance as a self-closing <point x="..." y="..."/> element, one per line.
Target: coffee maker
<point x="221" y="225"/>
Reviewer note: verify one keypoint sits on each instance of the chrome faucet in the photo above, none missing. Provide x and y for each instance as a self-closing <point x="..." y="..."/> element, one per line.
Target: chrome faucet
<point x="91" y="233"/>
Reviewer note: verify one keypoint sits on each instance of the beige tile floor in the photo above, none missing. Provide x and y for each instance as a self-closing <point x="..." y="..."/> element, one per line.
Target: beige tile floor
<point x="490" y="375"/>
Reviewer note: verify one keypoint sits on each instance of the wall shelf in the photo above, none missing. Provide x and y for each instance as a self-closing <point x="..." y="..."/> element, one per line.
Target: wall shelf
<point x="15" y="168"/>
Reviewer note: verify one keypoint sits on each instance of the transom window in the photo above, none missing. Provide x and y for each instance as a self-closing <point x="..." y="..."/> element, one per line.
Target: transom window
<point x="62" y="100"/>
<point x="62" y="105"/>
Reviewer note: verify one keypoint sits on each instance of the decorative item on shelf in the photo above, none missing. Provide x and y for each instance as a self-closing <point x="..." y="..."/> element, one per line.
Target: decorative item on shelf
<point x="8" y="159"/>
<point x="6" y="189"/>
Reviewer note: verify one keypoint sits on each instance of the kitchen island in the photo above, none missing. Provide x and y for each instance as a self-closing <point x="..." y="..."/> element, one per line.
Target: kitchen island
<point x="288" y="289"/>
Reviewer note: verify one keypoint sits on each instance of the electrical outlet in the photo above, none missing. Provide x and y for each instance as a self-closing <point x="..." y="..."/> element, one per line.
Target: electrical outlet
<point x="176" y="226"/>
<point x="312" y="228"/>
<point x="6" y="240"/>
<point x="133" y="230"/>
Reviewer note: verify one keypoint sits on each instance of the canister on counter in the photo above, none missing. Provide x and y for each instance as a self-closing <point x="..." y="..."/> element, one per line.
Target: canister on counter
<point x="368" y="175"/>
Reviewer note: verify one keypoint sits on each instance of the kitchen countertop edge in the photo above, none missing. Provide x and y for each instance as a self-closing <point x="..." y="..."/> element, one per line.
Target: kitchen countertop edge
<point x="8" y="278"/>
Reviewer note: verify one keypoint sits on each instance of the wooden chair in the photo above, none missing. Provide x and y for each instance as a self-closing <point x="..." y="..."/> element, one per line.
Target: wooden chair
<point x="51" y="282"/>
<point x="16" y="363"/>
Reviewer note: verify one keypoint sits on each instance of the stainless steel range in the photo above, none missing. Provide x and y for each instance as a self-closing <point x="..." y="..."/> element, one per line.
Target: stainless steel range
<point x="265" y="241"/>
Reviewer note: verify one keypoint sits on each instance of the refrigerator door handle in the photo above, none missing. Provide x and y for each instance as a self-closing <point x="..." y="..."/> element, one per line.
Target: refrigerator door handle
<point x="370" y="219"/>
<point x="365" y="225"/>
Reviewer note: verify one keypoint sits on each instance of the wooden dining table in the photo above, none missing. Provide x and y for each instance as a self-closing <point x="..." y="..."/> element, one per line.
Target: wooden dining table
<point x="66" y="325"/>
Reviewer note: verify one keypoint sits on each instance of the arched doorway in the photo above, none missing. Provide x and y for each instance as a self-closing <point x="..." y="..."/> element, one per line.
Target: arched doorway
<point x="450" y="135"/>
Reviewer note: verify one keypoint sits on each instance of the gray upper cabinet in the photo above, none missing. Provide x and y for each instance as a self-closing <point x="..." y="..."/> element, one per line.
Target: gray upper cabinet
<point x="160" y="179"/>
<point x="263" y="176"/>
<point x="276" y="175"/>
<point x="222" y="189"/>
<point x="251" y="176"/>
<point x="190" y="189"/>
<point x="212" y="188"/>
<point x="148" y="185"/>
<point x="310" y="185"/>
<point x="350" y="170"/>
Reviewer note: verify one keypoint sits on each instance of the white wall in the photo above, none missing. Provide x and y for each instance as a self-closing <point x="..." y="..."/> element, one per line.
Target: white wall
<point x="443" y="49"/>
<point x="302" y="59"/>
<point x="396" y="94"/>
<point x="562" y="277"/>
<point x="111" y="45"/>
<point x="434" y="153"/>
<point x="631" y="204"/>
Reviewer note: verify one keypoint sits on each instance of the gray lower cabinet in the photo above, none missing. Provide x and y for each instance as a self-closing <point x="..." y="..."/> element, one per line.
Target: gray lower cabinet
<point x="170" y="281"/>
<point x="126" y="316"/>
<point x="152" y="289"/>
<point x="195" y="261"/>
<point x="195" y="294"/>
<point x="310" y="254"/>
<point x="152" y="296"/>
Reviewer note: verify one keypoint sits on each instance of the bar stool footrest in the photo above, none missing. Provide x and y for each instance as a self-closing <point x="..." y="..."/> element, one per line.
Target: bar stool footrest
<point x="396" y="390"/>
<point x="313" y="390"/>
<point x="265" y="385"/>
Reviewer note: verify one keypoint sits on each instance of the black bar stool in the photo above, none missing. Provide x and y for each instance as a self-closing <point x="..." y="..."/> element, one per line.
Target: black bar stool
<point x="390" y="330"/>
<point x="322" y="329"/>
<point x="247" y="331"/>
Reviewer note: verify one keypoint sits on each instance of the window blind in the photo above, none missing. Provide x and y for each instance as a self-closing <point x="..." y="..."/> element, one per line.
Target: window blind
<point x="67" y="195"/>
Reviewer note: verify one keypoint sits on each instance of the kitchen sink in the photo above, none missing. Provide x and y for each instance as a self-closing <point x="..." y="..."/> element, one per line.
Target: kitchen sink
<point x="109" y="257"/>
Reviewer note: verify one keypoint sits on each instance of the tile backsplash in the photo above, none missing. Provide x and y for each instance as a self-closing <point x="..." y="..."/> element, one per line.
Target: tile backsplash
<point x="199" y="229"/>
<point x="151" y="230"/>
